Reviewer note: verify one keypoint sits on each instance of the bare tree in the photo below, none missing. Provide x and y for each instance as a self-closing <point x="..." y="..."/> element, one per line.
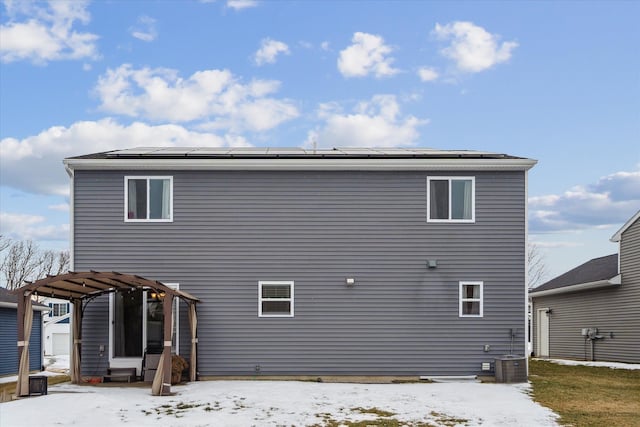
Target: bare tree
<point x="23" y="260"/>
<point x="52" y="263"/>
<point x="537" y="271"/>
<point x="19" y="263"/>
<point x="4" y="243"/>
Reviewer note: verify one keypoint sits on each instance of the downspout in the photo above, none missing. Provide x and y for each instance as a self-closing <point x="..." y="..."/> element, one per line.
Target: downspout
<point x="71" y="174"/>
<point x="526" y="271"/>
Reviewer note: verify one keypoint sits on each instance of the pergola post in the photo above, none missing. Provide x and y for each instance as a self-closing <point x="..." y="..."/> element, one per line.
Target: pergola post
<point x="25" y="322"/>
<point x="162" y="381"/>
<point x="76" y="353"/>
<point x="193" y="326"/>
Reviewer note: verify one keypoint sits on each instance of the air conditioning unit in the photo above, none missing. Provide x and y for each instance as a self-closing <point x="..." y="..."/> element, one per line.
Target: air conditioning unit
<point x="511" y="369"/>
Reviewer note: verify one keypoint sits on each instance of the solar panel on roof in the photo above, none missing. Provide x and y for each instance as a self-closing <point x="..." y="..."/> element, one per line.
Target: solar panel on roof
<point x="284" y="151"/>
<point x="210" y="150"/>
<point x="135" y="151"/>
<point x="257" y="151"/>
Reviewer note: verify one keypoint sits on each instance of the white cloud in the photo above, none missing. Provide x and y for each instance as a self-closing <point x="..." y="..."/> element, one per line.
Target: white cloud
<point x="44" y="152"/>
<point x="613" y="199"/>
<point x="241" y="4"/>
<point x="145" y="29"/>
<point x="269" y="50"/>
<point x="554" y="245"/>
<point x="374" y="123"/>
<point x="472" y="48"/>
<point x="367" y="55"/>
<point x="427" y="74"/>
<point x="45" y="32"/>
<point x="324" y="46"/>
<point x="31" y="227"/>
<point x="215" y="98"/>
<point x="61" y="207"/>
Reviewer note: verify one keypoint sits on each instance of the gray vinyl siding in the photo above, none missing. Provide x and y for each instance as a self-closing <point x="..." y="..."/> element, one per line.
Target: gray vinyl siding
<point x="614" y="311"/>
<point x="233" y="229"/>
<point x="9" y="339"/>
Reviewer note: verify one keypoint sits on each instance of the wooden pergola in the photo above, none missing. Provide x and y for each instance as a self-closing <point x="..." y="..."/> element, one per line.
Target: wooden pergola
<point x="79" y="288"/>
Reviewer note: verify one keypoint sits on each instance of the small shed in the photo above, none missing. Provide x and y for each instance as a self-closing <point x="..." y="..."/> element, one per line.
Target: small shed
<point x="9" y="335"/>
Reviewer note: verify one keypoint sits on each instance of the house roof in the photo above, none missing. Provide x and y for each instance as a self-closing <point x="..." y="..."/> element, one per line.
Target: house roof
<point x="597" y="270"/>
<point x="616" y="237"/>
<point x="256" y="158"/>
<point x="293" y="152"/>
<point x="10" y="300"/>
<point x="7" y="296"/>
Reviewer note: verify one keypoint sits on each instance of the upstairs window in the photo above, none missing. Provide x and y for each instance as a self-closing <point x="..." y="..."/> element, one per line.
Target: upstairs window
<point x="451" y="199"/>
<point x="275" y="299"/>
<point x="58" y="309"/>
<point x="471" y="299"/>
<point x="148" y="198"/>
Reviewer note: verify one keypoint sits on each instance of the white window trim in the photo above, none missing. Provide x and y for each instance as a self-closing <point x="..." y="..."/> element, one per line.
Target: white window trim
<point x="450" y="178"/>
<point x="126" y="198"/>
<point x="53" y="306"/>
<point x="462" y="300"/>
<point x="275" y="282"/>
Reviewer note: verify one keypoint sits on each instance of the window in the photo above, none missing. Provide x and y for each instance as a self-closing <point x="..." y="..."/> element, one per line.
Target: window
<point x="275" y="299"/>
<point x="148" y="198"/>
<point x="451" y="199"/>
<point x="58" y="309"/>
<point x="471" y="299"/>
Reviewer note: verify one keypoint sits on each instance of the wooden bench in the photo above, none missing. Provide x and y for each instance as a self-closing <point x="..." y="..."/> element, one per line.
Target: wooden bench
<point x="120" y="374"/>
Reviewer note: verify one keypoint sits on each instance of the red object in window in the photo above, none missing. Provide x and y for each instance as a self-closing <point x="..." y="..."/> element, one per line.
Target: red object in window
<point x="130" y="215"/>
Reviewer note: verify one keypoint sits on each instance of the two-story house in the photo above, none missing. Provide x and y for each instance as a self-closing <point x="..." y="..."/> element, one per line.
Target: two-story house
<point x="307" y="262"/>
<point x="592" y="312"/>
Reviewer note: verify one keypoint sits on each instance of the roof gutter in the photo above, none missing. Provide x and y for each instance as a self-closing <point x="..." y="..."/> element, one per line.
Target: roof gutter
<point x="614" y="281"/>
<point x="328" y="164"/>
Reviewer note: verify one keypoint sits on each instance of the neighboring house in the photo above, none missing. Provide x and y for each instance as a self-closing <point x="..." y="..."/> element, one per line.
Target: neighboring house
<point x="8" y="334"/>
<point x="57" y="327"/>
<point x="307" y="262"/>
<point x="593" y="311"/>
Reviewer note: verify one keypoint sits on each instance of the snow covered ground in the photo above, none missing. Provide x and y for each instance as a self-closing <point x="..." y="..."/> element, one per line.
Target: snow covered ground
<point x="57" y="363"/>
<point x="54" y="365"/>
<point x="612" y="365"/>
<point x="276" y="403"/>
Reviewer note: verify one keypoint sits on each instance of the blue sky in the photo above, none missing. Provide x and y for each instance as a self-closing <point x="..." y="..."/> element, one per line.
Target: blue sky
<point x="555" y="81"/>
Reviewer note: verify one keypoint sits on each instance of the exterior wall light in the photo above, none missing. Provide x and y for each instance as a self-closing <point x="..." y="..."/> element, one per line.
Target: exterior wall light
<point x="432" y="263"/>
<point x="350" y="280"/>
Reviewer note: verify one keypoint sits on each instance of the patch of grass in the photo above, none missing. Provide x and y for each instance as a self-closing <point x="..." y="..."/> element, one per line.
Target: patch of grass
<point x="383" y="420"/>
<point x="447" y="420"/>
<point x="586" y="396"/>
<point x="177" y="409"/>
<point x="375" y="411"/>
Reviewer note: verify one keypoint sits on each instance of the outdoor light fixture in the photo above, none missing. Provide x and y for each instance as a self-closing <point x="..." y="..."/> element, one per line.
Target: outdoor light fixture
<point x="432" y="263"/>
<point x="350" y="281"/>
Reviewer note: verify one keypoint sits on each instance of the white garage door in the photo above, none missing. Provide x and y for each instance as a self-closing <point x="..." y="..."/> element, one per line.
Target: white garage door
<point x="60" y="344"/>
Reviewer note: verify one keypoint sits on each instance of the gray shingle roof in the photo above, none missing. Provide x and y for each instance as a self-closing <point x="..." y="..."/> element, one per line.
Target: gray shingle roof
<point x="603" y="268"/>
<point x="7" y="296"/>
